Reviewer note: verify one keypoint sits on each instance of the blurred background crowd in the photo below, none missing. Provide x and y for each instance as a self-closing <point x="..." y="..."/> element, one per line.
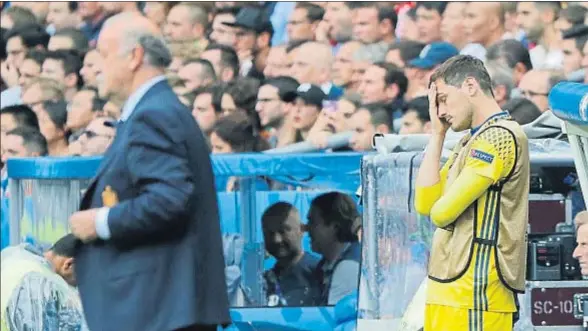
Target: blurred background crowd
<point x="261" y="75"/>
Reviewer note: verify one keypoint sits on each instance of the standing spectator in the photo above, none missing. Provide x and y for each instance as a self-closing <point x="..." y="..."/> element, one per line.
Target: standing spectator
<point x="274" y="110"/>
<point x="64" y="67"/>
<point x="513" y="54"/>
<point x="402" y="52"/>
<point x="62" y="15"/>
<point x="333" y="221"/>
<point x="367" y="121"/>
<point x="303" y="21"/>
<point x="13" y="117"/>
<point x="429" y="18"/>
<point x="160" y="170"/>
<point x="342" y="69"/>
<point x="186" y="21"/>
<point x="93" y="17"/>
<point x="536" y="85"/>
<point x="416" y="119"/>
<point x="452" y="25"/>
<point x="276" y="63"/>
<point x="373" y="22"/>
<point x="537" y="19"/>
<point x="253" y="31"/>
<point x="91" y="68"/>
<point x="364" y="57"/>
<point x="224" y="59"/>
<point x="52" y="117"/>
<point x="315" y="69"/>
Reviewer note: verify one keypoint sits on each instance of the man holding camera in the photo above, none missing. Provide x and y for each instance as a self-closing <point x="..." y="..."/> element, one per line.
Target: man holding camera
<point x="478" y="201"/>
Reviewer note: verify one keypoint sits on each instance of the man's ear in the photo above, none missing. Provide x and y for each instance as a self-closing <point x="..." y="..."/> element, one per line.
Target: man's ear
<point x="68" y="264"/>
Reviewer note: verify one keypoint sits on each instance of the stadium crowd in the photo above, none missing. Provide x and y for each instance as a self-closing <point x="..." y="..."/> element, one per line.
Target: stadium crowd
<point x="263" y="75"/>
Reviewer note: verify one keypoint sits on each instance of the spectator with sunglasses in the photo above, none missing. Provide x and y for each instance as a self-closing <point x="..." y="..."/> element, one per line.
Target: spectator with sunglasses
<point x="96" y="137"/>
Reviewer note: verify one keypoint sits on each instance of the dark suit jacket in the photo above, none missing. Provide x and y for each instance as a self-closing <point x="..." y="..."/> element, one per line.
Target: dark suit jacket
<point x="163" y="267"/>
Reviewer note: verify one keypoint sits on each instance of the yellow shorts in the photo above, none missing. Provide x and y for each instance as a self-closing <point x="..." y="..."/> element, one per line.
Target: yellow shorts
<point x="445" y="318"/>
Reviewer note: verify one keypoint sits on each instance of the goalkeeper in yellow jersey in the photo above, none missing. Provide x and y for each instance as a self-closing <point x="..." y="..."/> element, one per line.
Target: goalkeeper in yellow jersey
<point x="478" y="200"/>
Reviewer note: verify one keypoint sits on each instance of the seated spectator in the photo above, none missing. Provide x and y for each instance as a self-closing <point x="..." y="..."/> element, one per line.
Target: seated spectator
<point x="364" y="57"/>
<point x="522" y="110"/>
<point x="195" y="74"/>
<point x="303" y="21"/>
<point x="12" y="117"/>
<point x="224" y="59"/>
<point x="64" y="66"/>
<point x="373" y="22"/>
<point x="113" y="107"/>
<point x="581" y="251"/>
<point x="41" y="89"/>
<point x="52" y="117"/>
<point x="407" y="26"/>
<point x="292" y="280"/>
<point x="384" y="83"/>
<point x="429" y="15"/>
<point x="452" y="25"/>
<point x="241" y="95"/>
<point x="84" y="106"/>
<point x="276" y="63"/>
<point x="404" y="51"/>
<point x="207" y="107"/>
<point x="315" y="69"/>
<point x="62" y="15"/>
<point x="91" y="68"/>
<point x="95" y="138"/>
<point x="536" y="85"/>
<point x="367" y="121"/>
<point x="342" y="69"/>
<point x="221" y="33"/>
<point x="513" y="54"/>
<point x="502" y="81"/>
<point x="156" y="11"/>
<point x="419" y="70"/>
<point x="41" y="293"/>
<point x="333" y="221"/>
<point x="23" y="142"/>
<point x="16" y="17"/>
<point x="274" y="108"/>
<point x="309" y="101"/>
<point x="69" y="39"/>
<point x="416" y="118"/>
<point x="569" y="17"/>
<point x="572" y="44"/>
<point x="235" y="133"/>
<point x="31" y="67"/>
<point x="186" y="22"/>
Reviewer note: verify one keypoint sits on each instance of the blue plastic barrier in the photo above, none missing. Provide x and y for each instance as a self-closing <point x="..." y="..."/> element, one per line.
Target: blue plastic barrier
<point x="241" y="211"/>
<point x="569" y="102"/>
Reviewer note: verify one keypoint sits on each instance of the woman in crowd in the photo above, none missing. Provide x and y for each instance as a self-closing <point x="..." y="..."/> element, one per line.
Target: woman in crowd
<point x="52" y="118"/>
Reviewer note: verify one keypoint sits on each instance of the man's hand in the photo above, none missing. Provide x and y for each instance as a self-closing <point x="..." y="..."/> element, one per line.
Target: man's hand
<point x="439" y="126"/>
<point x="83" y="225"/>
<point x="9" y="74"/>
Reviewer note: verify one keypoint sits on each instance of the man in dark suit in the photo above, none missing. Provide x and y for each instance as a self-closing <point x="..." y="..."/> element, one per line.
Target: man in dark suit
<point x="151" y="258"/>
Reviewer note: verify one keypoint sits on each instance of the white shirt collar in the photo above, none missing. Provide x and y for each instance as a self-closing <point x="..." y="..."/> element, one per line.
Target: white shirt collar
<point x="136" y="96"/>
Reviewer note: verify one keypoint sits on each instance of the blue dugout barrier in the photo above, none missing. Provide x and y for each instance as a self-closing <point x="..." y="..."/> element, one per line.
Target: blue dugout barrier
<point x="240" y="212"/>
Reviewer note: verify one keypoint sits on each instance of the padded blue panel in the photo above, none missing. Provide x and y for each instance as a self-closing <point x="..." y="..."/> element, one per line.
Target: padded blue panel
<point x="569" y="102"/>
<point x="284" y="319"/>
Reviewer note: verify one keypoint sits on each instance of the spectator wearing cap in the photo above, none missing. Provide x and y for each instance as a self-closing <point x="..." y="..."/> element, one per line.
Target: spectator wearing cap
<point x="429" y="18"/>
<point x="276" y="63"/>
<point x="52" y="118"/>
<point x="452" y="25"/>
<point x="186" y="22"/>
<point x="303" y="21"/>
<point x="342" y="69"/>
<point x="574" y="40"/>
<point x="537" y="19"/>
<point x="275" y="107"/>
<point x="366" y="122"/>
<point x="536" y="85"/>
<point x="373" y="22"/>
<point x="64" y="67"/>
<point x="96" y="137"/>
<point x="403" y="51"/>
<point x="315" y="69"/>
<point x="253" y="31"/>
<point x="222" y="33"/>
<point x="419" y="70"/>
<point x="308" y="104"/>
<point x="224" y="60"/>
<point x="384" y="83"/>
<point x="19" y="41"/>
<point x="62" y="15"/>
